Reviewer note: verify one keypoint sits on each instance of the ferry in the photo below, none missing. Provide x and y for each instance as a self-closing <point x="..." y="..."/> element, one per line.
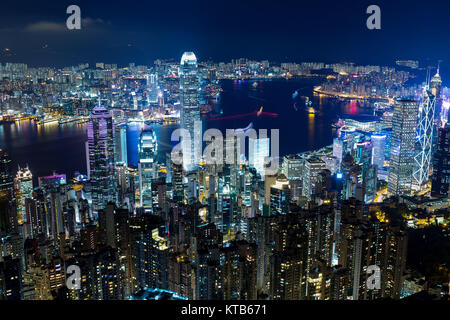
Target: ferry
<point x="308" y="105"/>
<point x="259" y="112"/>
<point x="47" y="121"/>
<point x="78" y="119"/>
<point x="308" y="102"/>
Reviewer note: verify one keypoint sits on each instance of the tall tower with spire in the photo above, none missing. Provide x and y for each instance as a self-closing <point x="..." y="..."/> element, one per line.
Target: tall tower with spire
<point x="436" y="87"/>
<point x="426" y="132"/>
<point x="190" y="109"/>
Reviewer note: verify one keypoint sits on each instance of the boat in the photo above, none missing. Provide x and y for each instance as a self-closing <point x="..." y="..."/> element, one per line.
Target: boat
<point x="47" y="121"/>
<point x="311" y="110"/>
<point x="78" y="119"/>
<point x="259" y="112"/>
<point x="308" y="102"/>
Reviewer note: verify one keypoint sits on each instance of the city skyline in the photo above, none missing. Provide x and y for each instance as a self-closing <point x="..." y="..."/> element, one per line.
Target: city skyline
<point x="318" y="170"/>
<point x="304" y="30"/>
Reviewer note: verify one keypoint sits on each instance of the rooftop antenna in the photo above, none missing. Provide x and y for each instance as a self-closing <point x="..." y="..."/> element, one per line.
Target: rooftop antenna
<point x="439" y="66"/>
<point x="428" y="77"/>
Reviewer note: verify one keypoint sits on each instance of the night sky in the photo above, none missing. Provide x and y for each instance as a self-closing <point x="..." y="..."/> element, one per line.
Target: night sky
<point x="278" y="30"/>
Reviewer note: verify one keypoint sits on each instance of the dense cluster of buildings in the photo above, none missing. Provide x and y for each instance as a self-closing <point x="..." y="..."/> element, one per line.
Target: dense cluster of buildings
<point x="315" y="230"/>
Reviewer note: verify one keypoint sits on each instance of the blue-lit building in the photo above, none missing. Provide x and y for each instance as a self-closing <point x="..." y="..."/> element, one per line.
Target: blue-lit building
<point x="121" y="144"/>
<point x="190" y="109"/>
<point x="378" y="147"/>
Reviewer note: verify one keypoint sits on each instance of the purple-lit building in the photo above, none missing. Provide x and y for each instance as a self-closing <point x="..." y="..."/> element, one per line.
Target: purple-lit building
<point x="100" y="158"/>
<point x="52" y="181"/>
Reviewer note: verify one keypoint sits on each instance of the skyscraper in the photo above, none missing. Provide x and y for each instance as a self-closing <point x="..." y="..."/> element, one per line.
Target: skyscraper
<point x="368" y="173"/>
<point x="147" y="159"/>
<point x="441" y="165"/>
<point x="152" y="85"/>
<point x="8" y="219"/>
<point x="24" y="189"/>
<point x="6" y="177"/>
<point x="100" y="157"/>
<point x="378" y="146"/>
<point x="292" y="167"/>
<point x="311" y="171"/>
<point x="259" y="150"/>
<point x="121" y="144"/>
<point x="424" y="143"/>
<point x="280" y="196"/>
<point x="404" y="126"/>
<point x="190" y="109"/>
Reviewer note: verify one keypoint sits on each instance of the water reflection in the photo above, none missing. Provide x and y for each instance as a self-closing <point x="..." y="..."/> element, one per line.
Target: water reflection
<point x="62" y="148"/>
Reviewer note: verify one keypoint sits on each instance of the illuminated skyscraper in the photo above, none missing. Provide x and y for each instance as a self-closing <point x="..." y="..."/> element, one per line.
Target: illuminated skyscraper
<point x="292" y="167"/>
<point x="152" y="85"/>
<point x="368" y="173"/>
<point x="151" y="254"/>
<point x="259" y="150"/>
<point x="424" y="142"/>
<point x="378" y="146"/>
<point x="280" y="195"/>
<point x="24" y="189"/>
<point x="8" y="219"/>
<point x="147" y="160"/>
<point x="177" y="182"/>
<point x="339" y="149"/>
<point x="121" y="144"/>
<point x="190" y="109"/>
<point x="435" y="88"/>
<point x="311" y="171"/>
<point x="100" y="157"/>
<point x="444" y="113"/>
<point x="404" y="126"/>
<point x="441" y="165"/>
<point x="6" y="177"/>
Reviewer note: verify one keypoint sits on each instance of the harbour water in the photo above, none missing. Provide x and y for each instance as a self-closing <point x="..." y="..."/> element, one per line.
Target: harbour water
<point x="61" y="148"/>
